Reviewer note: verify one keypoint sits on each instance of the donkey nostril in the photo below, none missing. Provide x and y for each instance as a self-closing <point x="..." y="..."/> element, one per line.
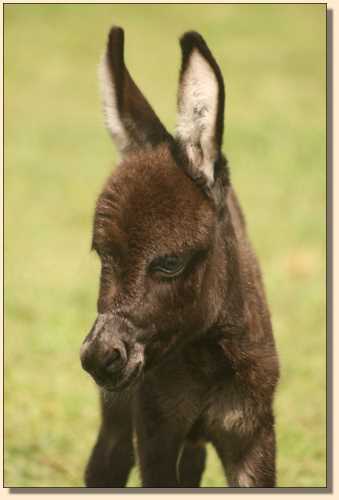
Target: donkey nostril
<point x="115" y="355"/>
<point x="114" y="362"/>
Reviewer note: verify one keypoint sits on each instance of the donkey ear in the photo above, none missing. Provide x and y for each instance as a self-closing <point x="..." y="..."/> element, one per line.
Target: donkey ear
<point x="201" y="100"/>
<point x="129" y="118"/>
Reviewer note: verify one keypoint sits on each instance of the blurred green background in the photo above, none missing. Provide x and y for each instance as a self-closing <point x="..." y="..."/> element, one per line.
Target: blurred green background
<point x="57" y="156"/>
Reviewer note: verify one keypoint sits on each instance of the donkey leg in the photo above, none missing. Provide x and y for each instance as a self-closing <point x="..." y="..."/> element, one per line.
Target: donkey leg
<point x="249" y="462"/>
<point x="112" y="456"/>
<point x="159" y="441"/>
<point x="158" y="453"/>
<point x="192" y="464"/>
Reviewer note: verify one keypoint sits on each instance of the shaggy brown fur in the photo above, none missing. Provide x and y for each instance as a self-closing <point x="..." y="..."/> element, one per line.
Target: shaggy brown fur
<point x="182" y="347"/>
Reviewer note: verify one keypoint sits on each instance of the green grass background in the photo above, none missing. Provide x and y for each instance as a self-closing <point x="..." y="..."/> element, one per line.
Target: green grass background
<point x="57" y="155"/>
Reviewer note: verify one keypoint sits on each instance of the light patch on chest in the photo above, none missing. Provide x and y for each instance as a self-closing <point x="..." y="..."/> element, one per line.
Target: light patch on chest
<point x="233" y="419"/>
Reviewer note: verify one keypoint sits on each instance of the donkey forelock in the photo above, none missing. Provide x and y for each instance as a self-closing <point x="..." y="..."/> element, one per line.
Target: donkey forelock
<point x="149" y="197"/>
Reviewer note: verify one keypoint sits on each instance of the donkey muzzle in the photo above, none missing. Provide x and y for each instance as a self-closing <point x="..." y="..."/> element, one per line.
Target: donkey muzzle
<point x="109" y="356"/>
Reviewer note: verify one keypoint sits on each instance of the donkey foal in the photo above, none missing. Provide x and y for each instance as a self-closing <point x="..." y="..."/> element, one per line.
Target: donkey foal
<point x="182" y="348"/>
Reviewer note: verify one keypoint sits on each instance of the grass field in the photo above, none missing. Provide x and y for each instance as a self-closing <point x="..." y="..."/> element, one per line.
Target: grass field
<point x="57" y="155"/>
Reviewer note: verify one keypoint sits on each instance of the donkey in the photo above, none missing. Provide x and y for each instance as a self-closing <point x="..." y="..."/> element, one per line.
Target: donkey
<point x="182" y="348"/>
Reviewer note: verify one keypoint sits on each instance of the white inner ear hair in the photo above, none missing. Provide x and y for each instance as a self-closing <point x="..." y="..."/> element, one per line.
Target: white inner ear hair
<point x="198" y="105"/>
<point x="111" y="114"/>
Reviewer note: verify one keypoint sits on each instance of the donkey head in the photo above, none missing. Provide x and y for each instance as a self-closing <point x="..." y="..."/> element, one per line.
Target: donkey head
<point x="159" y="220"/>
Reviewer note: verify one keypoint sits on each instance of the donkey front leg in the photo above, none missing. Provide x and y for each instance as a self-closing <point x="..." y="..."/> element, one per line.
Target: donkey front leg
<point x="192" y="464"/>
<point x="249" y="462"/>
<point x="158" y="454"/>
<point x="112" y="456"/>
<point x="160" y="437"/>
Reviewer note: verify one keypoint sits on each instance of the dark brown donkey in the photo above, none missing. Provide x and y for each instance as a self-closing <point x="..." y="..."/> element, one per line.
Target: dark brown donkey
<point x="182" y="347"/>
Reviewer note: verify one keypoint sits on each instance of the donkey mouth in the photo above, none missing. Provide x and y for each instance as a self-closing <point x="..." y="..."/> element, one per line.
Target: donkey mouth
<point x="126" y="381"/>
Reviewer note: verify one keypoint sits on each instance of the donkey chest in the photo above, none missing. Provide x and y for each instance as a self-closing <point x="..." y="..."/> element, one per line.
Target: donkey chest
<point x="178" y="393"/>
<point x="190" y="386"/>
<point x="231" y="412"/>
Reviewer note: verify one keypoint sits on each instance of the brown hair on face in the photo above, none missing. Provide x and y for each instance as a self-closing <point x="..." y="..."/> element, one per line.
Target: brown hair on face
<point x="150" y="208"/>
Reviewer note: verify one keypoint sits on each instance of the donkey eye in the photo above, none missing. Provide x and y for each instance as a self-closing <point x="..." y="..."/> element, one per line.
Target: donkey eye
<point x="169" y="266"/>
